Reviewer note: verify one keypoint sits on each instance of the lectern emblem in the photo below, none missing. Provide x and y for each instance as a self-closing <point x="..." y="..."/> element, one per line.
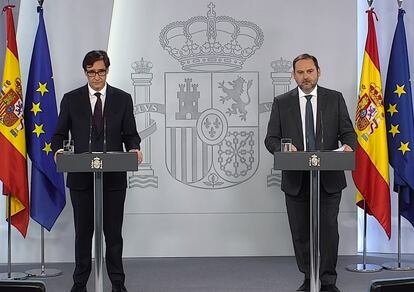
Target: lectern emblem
<point x="314" y="161"/>
<point x="96" y="163"/>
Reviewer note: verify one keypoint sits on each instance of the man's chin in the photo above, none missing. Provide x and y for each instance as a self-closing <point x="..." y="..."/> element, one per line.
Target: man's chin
<point x="307" y="88"/>
<point x="97" y="87"/>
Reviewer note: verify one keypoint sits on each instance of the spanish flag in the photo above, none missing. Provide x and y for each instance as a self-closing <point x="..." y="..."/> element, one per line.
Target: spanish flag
<point x="13" y="164"/>
<point x="371" y="175"/>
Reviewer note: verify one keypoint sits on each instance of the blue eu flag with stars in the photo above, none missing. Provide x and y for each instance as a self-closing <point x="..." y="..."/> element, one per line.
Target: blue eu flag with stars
<point x="400" y="122"/>
<point x="47" y="186"/>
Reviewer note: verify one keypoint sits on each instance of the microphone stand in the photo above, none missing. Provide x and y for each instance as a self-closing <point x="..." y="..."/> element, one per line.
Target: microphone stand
<point x="104" y="135"/>
<point x="90" y="135"/>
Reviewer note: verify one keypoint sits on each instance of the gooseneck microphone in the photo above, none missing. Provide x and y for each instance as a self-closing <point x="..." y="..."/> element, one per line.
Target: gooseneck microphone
<point x="104" y="134"/>
<point x="321" y="121"/>
<point x="90" y="134"/>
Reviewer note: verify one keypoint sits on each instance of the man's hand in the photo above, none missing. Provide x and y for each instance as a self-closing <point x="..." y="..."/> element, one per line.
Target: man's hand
<point x="347" y="148"/>
<point x="140" y="156"/>
<point x="294" y="149"/>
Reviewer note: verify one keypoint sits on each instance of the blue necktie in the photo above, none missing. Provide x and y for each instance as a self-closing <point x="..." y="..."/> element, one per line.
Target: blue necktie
<point x="310" y="132"/>
<point x="97" y="114"/>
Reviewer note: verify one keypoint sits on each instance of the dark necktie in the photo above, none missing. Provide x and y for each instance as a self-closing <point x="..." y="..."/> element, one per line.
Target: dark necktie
<point x="310" y="133"/>
<point x="97" y="113"/>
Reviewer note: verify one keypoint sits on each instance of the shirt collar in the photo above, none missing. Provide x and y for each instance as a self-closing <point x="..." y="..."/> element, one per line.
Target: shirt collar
<point x="92" y="91"/>
<point x="313" y="92"/>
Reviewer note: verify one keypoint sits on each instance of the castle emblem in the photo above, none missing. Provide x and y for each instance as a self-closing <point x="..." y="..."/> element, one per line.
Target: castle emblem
<point x="188" y="97"/>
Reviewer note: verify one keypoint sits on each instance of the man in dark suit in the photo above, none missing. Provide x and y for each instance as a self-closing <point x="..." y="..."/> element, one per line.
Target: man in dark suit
<point x="81" y="110"/>
<point x="295" y="115"/>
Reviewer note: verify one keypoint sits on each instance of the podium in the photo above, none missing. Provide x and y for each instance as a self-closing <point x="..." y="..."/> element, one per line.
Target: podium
<point x="98" y="163"/>
<point x="314" y="162"/>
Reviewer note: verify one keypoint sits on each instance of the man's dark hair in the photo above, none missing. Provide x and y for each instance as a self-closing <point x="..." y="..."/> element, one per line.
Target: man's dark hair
<point x="93" y="56"/>
<point x="306" y="57"/>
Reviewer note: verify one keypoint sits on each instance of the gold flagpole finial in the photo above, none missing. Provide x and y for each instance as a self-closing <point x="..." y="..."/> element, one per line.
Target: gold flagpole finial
<point x="370" y="3"/>
<point x="399" y="3"/>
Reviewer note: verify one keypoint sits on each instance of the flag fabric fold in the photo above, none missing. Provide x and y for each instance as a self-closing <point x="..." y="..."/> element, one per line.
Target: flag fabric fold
<point x="371" y="174"/>
<point x="13" y="162"/>
<point x="400" y="121"/>
<point x="47" y="186"/>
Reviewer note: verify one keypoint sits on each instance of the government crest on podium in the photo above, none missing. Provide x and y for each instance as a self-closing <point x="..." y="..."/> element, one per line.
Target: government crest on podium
<point x="212" y="108"/>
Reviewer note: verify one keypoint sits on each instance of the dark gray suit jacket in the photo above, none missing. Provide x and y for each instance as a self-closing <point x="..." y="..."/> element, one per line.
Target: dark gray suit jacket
<point x="75" y="117"/>
<point x="332" y="120"/>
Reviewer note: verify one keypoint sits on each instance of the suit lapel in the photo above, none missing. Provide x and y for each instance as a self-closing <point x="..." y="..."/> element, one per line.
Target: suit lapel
<point x="108" y="100"/>
<point x="295" y="111"/>
<point x="321" y="110"/>
<point x="85" y="100"/>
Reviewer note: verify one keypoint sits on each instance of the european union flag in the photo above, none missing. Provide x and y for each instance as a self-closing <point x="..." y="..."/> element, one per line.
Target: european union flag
<point x="400" y="122"/>
<point x="47" y="186"/>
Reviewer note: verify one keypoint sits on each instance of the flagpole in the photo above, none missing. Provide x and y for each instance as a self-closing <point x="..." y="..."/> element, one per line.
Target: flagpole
<point x="364" y="267"/>
<point x="41" y="57"/>
<point x="402" y="173"/>
<point x="43" y="272"/>
<point x="10" y="275"/>
<point x="399" y="266"/>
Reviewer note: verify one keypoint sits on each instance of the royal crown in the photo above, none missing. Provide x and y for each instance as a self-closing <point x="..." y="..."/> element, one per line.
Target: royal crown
<point x="142" y="66"/>
<point x="281" y="66"/>
<point x="211" y="43"/>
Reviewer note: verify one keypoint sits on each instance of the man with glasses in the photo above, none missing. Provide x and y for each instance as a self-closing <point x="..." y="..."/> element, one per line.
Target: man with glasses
<point x="83" y="113"/>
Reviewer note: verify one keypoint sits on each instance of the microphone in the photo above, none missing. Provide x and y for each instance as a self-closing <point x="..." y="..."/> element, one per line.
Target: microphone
<point x="104" y="134"/>
<point x="90" y="134"/>
<point x="321" y="121"/>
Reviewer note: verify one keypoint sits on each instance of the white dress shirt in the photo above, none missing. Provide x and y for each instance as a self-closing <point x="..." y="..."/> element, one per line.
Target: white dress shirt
<point x="93" y="98"/>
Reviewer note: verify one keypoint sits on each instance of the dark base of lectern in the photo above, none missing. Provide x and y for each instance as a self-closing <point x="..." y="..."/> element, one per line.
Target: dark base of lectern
<point x="22" y="286"/>
<point x="393" y="285"/>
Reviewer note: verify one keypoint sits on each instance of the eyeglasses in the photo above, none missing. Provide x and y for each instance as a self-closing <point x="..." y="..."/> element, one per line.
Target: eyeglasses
<point x="93" y="73"/>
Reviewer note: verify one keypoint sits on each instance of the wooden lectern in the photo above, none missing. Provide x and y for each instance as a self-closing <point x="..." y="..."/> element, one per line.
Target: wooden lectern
<point x="98" y="163"/>
<point x="314" y="162"/>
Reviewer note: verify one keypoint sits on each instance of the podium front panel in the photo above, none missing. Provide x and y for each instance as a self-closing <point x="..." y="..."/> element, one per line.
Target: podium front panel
<point x="97" y="162"/>
<point x="317" y="160"/>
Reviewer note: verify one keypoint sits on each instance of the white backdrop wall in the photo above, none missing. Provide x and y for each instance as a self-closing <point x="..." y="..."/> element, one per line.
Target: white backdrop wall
<point x="167" y="214"/>
<point x="386" y="11"/>
<point x="249" y="218"/>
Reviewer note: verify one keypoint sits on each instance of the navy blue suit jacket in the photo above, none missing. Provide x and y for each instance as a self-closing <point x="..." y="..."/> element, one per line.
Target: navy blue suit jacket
<point x="75" y="117"/>
<point x="332" y="120"/>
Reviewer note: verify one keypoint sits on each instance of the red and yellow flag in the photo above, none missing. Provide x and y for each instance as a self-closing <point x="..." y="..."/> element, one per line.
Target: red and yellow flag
<point x="371" y="175"/>
<point x="13" y="163"/>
